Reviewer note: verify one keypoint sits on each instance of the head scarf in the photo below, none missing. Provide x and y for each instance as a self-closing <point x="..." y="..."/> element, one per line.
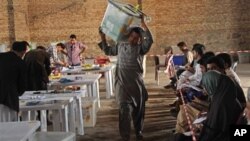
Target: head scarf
<point x="224" y="110"/>
<point x="210" y="81"/>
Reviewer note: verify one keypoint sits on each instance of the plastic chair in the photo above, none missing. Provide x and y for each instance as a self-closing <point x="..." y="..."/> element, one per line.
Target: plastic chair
<point x="234" y="65"/>
<point x="160" y="66"/>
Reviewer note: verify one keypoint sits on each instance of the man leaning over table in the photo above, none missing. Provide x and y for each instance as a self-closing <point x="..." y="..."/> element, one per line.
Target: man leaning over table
<point x="12" y="81"/>
<point x="74" y="51"/>
<point x="57" y="55"/>
<point x="38" y="69"/>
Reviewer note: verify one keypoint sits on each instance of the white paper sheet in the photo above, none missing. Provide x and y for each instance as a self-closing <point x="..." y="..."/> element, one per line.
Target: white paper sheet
<point x="199" y="120"/>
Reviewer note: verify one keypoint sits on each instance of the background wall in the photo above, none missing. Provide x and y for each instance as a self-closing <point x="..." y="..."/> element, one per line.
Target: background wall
<point x="220" y="25"/>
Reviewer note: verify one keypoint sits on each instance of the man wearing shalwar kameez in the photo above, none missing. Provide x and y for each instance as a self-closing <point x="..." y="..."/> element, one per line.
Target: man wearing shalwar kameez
<point x="131" y="93"/>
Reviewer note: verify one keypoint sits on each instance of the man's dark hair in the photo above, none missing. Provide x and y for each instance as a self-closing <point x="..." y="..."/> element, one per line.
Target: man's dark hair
<point x="209" y="54"/>
<point x="41" y="47"/>
<point x="181" y="44"/>
<point x="19" y="46"/>
<point x="136" y="30"/>
<point x="216" y="60"/>
<point x="72" y="36"/>
<point x="226" y="58"/>
<point x="199" y="48"/>
<point x="205" y="58"/>
<point x="25" y="42"/>
<point x="61" y="45"/>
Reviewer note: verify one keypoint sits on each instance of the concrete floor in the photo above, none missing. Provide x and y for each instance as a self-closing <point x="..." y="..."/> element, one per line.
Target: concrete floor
<point x="158" y="121"/>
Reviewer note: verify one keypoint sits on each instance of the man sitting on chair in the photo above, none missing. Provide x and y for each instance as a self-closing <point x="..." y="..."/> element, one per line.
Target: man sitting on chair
<point x="188" y="58"/>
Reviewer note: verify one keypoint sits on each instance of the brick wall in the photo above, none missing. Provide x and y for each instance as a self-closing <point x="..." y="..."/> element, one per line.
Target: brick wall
<point x="4" y="31"/>
<point x="14" y="21"/>
<point x="220" y="25"/>
<point x="22" y="31"/>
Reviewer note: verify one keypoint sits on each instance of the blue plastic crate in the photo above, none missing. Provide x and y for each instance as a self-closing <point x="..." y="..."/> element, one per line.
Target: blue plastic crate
<point x="178" y="60"/>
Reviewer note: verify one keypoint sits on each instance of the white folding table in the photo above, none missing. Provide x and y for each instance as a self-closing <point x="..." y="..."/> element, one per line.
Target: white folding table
<point x="56" y="104"/>
<point x="75" y="108"/>
<point x="18" y="131"/>
<point x="108" y="74"/>
<point x="91" y="80"/>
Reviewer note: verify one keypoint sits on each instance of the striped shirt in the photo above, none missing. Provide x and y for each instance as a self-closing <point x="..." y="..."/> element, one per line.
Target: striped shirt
<point x="73" y="51"/>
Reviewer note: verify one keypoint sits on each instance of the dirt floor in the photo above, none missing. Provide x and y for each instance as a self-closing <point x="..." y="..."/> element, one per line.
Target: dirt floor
<point x="159" y="124"/>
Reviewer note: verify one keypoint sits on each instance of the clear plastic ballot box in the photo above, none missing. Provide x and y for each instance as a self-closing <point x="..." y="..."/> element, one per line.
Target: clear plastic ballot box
<point x="118" y="18"/>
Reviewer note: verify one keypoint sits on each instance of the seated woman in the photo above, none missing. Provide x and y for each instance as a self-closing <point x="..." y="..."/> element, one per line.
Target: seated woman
<point x="224" y="109"/>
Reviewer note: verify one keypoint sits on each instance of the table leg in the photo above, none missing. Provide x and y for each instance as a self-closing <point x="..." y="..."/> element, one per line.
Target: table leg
<point x="72" y="118"/>
<point x="95" y="89"/>
<point x="79" y="116"/>
<point x="109" y="89"/>
<point x="65" y="121"/>
<point x="89" y="90"/>
<point x="56" y="120"/>
<point x="28" y="115"/>
<point x="43" y="118"/>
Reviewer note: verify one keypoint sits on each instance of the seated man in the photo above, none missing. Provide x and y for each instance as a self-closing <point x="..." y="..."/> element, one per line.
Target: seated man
<point x="196" y="91"/>
<point x="228" y="69"/>
<point x="192" y="77"/>
<point x="188" y="58"/>
<point x="197" y="102"/>
<point x="216" y="63"/>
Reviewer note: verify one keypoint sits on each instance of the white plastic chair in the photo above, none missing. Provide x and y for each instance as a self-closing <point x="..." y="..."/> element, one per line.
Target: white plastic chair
<point x="234" y="65"/>
<point x="160" y="66"/>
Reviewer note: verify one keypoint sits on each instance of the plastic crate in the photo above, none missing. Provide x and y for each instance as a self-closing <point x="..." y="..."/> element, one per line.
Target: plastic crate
<point x="118" y="18"/>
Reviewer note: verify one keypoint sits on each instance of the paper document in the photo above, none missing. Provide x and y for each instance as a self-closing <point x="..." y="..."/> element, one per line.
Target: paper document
<point x="189" y="133"/>
<point x="199" y="120"/>
<point x="32" y="97"/>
